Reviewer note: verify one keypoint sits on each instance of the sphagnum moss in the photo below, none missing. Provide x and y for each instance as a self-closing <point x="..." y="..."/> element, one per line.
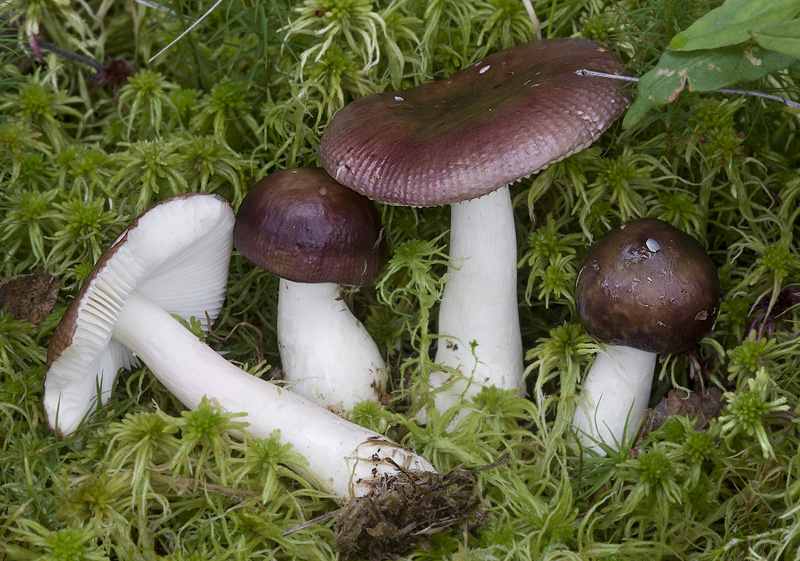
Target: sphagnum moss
<point x="143" y="483"/>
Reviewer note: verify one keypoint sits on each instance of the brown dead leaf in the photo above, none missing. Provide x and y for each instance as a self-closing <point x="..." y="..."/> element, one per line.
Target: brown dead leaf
<point x="29" y="297"/>
<point x="703" y="406"/>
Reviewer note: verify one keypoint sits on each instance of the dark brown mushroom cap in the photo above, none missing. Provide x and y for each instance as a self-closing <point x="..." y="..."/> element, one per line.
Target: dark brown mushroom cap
<point x="649" y="286"/>
<point x="301" y="225"/>
<point x="502" y="119"/>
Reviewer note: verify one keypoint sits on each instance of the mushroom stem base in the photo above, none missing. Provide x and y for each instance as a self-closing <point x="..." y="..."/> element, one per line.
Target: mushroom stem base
<point x="615" y="396"/>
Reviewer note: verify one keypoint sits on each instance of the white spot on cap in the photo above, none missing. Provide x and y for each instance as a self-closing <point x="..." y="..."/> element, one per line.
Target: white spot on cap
<point x="652" y="245"/>
<point x="398" y="98"/>
<point x="484" y="69"/>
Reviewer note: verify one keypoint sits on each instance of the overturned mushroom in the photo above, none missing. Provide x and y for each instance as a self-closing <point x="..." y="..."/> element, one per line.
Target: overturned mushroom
<point x="174" y="257"/>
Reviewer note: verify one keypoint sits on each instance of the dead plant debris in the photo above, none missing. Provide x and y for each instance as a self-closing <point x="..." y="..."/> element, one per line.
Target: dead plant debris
<point x="403" y="509"/>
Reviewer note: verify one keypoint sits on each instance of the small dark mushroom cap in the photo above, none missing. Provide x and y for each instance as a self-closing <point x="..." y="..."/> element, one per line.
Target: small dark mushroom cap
<point x="301" y="225"/>
<point x="649" y="286"/>
<point x="493" y="123"/>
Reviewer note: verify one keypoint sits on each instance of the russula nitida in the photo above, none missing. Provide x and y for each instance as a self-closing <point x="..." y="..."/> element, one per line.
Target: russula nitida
<point x="461" y="141"/>
<point x="643" y="289"/>
<point x="317" y="236"/>
<point x="176" y="257"/>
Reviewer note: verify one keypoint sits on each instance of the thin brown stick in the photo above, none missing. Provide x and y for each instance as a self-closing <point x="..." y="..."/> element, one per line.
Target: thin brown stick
<point x="88" y="61"/>
<point x="259" y="350"/>
<point x="308" y="523"/>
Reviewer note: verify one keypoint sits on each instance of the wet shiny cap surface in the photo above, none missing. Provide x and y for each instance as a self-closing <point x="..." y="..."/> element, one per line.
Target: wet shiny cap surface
<point x="649" y="286"/>
<point x="499" y="120"/>
<point x="301" y="225"/>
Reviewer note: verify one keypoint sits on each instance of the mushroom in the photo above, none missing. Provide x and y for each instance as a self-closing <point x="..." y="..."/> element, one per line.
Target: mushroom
<point x="643" y="289"/>
<point x="175" y="257"/>
<point x="461" y="141"/>
<point x="317" y="235"/>
<point x="173" y="260"/>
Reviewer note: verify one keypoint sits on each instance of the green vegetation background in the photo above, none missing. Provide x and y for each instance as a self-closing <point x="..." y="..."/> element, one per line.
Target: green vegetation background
<point x="249" y="91"/>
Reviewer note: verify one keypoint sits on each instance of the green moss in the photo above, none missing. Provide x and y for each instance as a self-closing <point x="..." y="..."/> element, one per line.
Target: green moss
<point x="249" y="91"/>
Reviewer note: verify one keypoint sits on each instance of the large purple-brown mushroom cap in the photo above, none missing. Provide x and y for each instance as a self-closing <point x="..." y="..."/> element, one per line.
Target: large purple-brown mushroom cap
<point x="649" y="286"/>
<point x="502" y="119"/>
<point x="301" y="225"/>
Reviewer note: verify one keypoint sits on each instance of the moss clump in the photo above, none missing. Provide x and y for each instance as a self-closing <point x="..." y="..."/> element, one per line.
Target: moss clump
<point x="248" y="91"/>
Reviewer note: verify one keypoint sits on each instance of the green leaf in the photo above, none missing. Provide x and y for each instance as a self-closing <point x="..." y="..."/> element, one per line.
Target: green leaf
<point x="732" y="23"/>
<point x="783" y="37"/>
<point x="702" y="71"/>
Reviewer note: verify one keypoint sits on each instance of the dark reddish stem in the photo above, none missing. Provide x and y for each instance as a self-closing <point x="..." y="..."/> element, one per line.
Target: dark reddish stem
<point x="88" y="61"/>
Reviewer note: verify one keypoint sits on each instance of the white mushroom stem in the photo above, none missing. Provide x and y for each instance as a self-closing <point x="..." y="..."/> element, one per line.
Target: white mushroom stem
<point x="615" y="396"/>
<point x="341" y="456"/>
<point x="326" y="352"/>
<point x="479" y="303"/>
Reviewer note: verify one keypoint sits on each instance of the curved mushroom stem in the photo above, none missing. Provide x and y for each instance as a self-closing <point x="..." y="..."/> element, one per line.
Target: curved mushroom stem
<point x="478" y="316"/>
<point x="325" y="350"/>
<point x="615" y="396"/>
<point x="343" y="458"/>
